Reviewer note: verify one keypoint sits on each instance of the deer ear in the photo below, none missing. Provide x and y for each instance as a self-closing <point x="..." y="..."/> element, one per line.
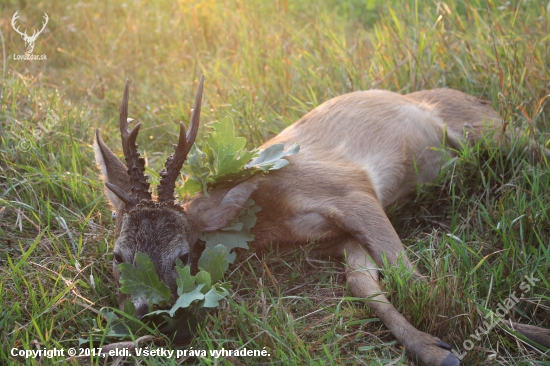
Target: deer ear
<point x="215" y="212"/>
<point x="113" y="171"/>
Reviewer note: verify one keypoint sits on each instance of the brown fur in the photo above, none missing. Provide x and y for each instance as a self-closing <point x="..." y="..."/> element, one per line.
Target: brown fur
<point x="359" y="153"/>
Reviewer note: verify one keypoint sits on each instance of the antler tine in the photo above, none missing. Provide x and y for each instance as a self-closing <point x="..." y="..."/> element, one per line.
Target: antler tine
<point x="185" y="142"/>
<point x="195" y="117"/>
<point x="129" y="202"/>
<point x="123" y="118"/>
<point x="135" y="164"/>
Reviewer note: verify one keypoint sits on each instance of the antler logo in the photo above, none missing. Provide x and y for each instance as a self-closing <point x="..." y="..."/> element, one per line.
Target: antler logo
<point x="29" y="40"/>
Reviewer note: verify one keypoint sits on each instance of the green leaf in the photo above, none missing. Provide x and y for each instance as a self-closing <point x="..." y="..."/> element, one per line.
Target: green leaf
<point x="227" y="149"/>
<point x="214" y="262"/>
<point x="212" y="297"/>
<point x="190" y="187"/>
<point x="198" y="167"/>
<point x="129" y="308"/>
<point x="225" y="160"/>
<point x="142" y="280"/>
<point x="230" y="239"/>
<point x="186" y="299"/>
<point x="185" y="282"/>
<point x="184" y="325"/>
<point x="223" y="157"/>
<point x="234" y="236"/>
<point x="272" y="157"/>
<point x="222" y="139"/>
<point x="248" y="215"/>
<point x="117" y="327"/>
<point x="203" y="278"/>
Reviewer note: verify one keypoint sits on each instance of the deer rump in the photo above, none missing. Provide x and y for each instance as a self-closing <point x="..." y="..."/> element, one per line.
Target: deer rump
<point x="359" y="153"/>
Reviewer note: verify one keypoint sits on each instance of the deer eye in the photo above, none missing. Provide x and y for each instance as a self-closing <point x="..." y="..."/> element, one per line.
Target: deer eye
<point x="118" y="258"/>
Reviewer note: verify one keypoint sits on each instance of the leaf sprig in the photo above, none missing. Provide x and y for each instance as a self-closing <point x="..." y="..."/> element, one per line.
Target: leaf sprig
<point x="142" y="280"/>
<point x="202" y="290"/>
<point x="224" y="160"/>
<point x="237" y="234"/>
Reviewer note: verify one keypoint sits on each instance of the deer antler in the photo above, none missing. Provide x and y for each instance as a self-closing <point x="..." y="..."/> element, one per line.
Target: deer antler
<point x="175" y="162"/>
<point x="135" y="164"/>
<point x="129" y="202"/>
<point x="13" y="19"/>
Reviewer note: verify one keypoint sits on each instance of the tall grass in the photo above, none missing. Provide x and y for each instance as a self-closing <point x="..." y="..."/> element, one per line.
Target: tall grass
<point x="475" y="232"/>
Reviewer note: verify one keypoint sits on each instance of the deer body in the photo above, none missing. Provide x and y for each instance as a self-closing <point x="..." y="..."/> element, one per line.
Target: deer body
<point x="359" y="153"/>
<point x="374" y="143"/>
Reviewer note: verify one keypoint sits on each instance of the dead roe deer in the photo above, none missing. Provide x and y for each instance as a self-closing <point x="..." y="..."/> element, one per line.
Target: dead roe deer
<point x="359" y="153"/>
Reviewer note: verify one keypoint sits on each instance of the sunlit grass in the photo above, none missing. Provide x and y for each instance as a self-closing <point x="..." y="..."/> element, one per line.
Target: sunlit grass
<point x="475" y="232"/>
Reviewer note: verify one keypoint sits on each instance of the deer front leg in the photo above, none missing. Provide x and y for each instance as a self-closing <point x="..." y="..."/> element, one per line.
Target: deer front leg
<point x="362" y="279"/>
<point x="362" y="216"/>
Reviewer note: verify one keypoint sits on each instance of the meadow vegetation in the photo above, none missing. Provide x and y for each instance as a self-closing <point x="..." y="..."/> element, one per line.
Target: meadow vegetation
<point x="475" y="232"/>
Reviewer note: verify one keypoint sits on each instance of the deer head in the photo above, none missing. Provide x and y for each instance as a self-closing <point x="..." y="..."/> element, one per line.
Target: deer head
<point x="159" y="226"/>
<point x="29" y="40"/>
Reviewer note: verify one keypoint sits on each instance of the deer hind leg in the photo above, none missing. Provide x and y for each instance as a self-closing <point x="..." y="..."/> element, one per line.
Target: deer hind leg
<point x="536" y="334"/>
<point x="362" y="279"/>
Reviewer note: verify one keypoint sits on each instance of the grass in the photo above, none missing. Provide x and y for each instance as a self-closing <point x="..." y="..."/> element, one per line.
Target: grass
<point x="476" y="232"/>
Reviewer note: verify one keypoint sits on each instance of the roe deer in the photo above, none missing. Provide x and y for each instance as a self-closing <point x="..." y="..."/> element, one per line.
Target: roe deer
<point x="359" y="153"/>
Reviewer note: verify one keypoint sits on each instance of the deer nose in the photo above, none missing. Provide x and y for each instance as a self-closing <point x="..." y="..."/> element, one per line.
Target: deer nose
<point x="141" y="310"/>
<point x="142" y="307"/>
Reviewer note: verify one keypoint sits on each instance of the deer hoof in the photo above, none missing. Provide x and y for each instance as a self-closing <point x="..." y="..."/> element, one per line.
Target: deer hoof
<point x="450" y="360"/>
<point x="444" y="345"/>
<point x="435" y="352"/>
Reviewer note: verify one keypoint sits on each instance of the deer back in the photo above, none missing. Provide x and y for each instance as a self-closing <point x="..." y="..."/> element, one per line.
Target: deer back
<point x="376" y="143"/>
